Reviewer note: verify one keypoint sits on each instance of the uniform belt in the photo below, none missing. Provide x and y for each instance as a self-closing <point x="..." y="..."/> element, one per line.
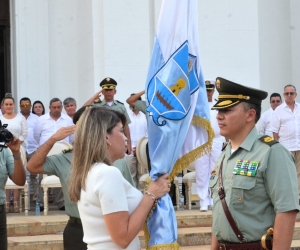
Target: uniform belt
<point x="75" y="220"/>
<point x="244" y="246"/>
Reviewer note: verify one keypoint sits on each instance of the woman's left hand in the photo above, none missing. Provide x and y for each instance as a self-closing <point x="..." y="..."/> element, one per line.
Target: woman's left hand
<point x="14" y="146"/>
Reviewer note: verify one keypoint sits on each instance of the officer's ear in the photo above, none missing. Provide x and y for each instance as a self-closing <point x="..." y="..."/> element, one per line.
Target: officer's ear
<point x="251" y="115"/>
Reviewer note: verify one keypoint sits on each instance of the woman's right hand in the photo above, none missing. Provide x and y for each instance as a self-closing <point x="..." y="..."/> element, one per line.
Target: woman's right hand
<point x="160" y="187"/>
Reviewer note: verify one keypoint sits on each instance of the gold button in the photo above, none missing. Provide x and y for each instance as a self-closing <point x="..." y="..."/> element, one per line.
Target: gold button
<point x="240" y="198"/>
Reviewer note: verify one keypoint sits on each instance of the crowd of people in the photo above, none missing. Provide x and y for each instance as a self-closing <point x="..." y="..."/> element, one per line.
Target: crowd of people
<point x="245" y="163"/>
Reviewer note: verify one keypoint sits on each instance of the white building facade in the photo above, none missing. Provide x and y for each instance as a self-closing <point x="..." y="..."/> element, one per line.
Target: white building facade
<point x="62" y="48"/>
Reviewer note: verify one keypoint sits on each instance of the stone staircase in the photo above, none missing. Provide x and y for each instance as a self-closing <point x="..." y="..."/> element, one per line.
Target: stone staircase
<point x="45" y="232"/>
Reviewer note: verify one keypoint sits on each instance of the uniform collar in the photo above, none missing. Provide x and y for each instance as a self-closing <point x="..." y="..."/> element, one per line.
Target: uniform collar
<point x="248" y="142"/>
<point x="250" y="139"/>
<point x="104" y="102"/>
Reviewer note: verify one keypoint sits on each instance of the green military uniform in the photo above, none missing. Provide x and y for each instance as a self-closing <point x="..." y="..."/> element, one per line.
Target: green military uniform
<point x="254" y="201"/>
<point x="259" y="177"/>
<point x="140" y="106"/>
<point x="60" y="165"/>
<point x="116" y="105"/>
<point x="110" y="84"/>
<point x="6" y="169"/>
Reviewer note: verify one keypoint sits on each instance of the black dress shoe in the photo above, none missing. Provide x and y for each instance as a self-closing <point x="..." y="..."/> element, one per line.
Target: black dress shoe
<point x="62" y="208"/>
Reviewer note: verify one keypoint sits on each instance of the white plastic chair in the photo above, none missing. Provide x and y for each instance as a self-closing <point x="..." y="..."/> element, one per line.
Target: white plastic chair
<point x="188" y="179"/>
<point x="52" y="181"/>
<point x="11" y="185"/>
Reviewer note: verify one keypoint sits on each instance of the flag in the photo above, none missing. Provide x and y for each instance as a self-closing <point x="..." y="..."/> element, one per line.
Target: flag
<point x="179" y="130"/>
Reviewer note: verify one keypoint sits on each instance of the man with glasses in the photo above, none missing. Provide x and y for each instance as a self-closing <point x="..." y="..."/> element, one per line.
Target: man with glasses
<point x="30" y="143"/>
<point x="285" y="125"/>
<point x="263" y="125"/>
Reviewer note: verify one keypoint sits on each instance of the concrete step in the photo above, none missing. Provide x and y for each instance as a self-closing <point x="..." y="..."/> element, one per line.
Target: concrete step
<point x="55" y="242"/>
<point x="18" y="225"/>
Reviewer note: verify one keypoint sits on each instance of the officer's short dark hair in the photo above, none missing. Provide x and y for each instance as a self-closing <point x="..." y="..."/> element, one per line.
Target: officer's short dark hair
<point x="257" y="108"/>
<point x="275" y="95"/>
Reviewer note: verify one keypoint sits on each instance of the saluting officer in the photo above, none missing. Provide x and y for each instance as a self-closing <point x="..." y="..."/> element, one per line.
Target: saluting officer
<point x="108" y="86"/>
<point x="254" y="184"/>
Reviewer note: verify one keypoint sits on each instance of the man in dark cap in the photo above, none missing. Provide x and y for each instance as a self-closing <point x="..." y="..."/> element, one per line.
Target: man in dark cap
<point x="108" y="86"/>
<point x="254" y="183"/>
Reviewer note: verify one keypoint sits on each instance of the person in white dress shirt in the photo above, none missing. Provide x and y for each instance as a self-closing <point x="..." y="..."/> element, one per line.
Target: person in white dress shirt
<point x="30" y="143"/>
<point x="138" y="129"/>
<point x="263" y="125"/>
<point x="205" y="164"/>
<point x="17" y="125"/>
<point x="285" y="125"/>
<point x="45" y="127"/>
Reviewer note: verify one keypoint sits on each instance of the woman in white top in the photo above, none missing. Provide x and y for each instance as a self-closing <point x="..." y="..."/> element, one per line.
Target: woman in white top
<point x="17" y="125"/>
<point x="111" y="210"/>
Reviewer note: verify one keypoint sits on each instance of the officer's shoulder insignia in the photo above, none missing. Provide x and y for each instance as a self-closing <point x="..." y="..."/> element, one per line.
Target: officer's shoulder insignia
<point x="67" y="150"/>
<point x="268" y="140"/>
<point x="120" y="102"/>
<point x="224" y="145"/>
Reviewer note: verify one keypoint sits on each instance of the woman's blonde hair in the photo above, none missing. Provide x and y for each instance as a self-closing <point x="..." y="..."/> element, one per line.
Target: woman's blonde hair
<point x="90" y="145"/>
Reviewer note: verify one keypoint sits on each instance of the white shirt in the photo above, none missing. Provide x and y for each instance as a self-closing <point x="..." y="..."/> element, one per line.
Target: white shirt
<point x="30" y="143"/>
<point x="137" y="127"/>
<point x="46" y="127"/>
<point x="106" y="192"/>
<point x="264" y="123"/>
<point x="17" y="126"/>
<point x="286" y="123"/>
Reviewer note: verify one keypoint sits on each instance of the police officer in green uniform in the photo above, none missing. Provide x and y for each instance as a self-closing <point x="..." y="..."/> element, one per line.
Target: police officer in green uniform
<point x="135" y="102"/>
<point x="60" y="165"/>
<point x="11" y="166"/>
<point x="255" y="176"/>
<point x="108" y="86"/>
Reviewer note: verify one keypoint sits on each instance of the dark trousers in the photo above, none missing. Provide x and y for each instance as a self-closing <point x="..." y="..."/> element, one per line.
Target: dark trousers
<point x="3" y="231"/>
<point x="73" y="237"/>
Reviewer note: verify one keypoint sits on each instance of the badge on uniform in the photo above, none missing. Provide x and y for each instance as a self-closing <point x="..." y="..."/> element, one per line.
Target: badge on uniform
<point x="246" y="168"/>
<point x="213" y="173"/>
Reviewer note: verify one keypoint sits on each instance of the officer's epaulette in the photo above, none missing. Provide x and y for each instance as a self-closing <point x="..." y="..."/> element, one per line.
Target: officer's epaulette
<point x="119" y="102"/>
<point x="224" y="145"/>
<point x="268" y="140"/>
<point x="67" y="150"/>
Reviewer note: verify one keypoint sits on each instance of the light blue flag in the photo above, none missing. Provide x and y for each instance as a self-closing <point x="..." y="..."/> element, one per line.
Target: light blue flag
<point x="177" y="107"/>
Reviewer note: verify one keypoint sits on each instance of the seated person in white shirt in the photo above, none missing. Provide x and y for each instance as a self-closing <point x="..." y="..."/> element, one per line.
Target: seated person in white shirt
<point x="264" y="123"/>
<point x="45" y="127"/>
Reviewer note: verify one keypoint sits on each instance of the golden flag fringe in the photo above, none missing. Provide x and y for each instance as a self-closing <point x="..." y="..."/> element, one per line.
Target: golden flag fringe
<point x="179" y="166"/>
<point x="183" y="162"/>
<point x="171" y="246"/>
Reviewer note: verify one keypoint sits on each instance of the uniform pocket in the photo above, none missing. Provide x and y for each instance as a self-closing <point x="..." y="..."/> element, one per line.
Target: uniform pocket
<point x="242" y="190"/>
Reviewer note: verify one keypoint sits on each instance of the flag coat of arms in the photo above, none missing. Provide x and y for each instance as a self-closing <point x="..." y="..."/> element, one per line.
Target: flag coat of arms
<point x="179" y="130"/>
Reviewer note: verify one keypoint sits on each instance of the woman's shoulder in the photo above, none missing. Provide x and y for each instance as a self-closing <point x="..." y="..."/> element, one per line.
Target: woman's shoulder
<point x="105" y="170"/>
